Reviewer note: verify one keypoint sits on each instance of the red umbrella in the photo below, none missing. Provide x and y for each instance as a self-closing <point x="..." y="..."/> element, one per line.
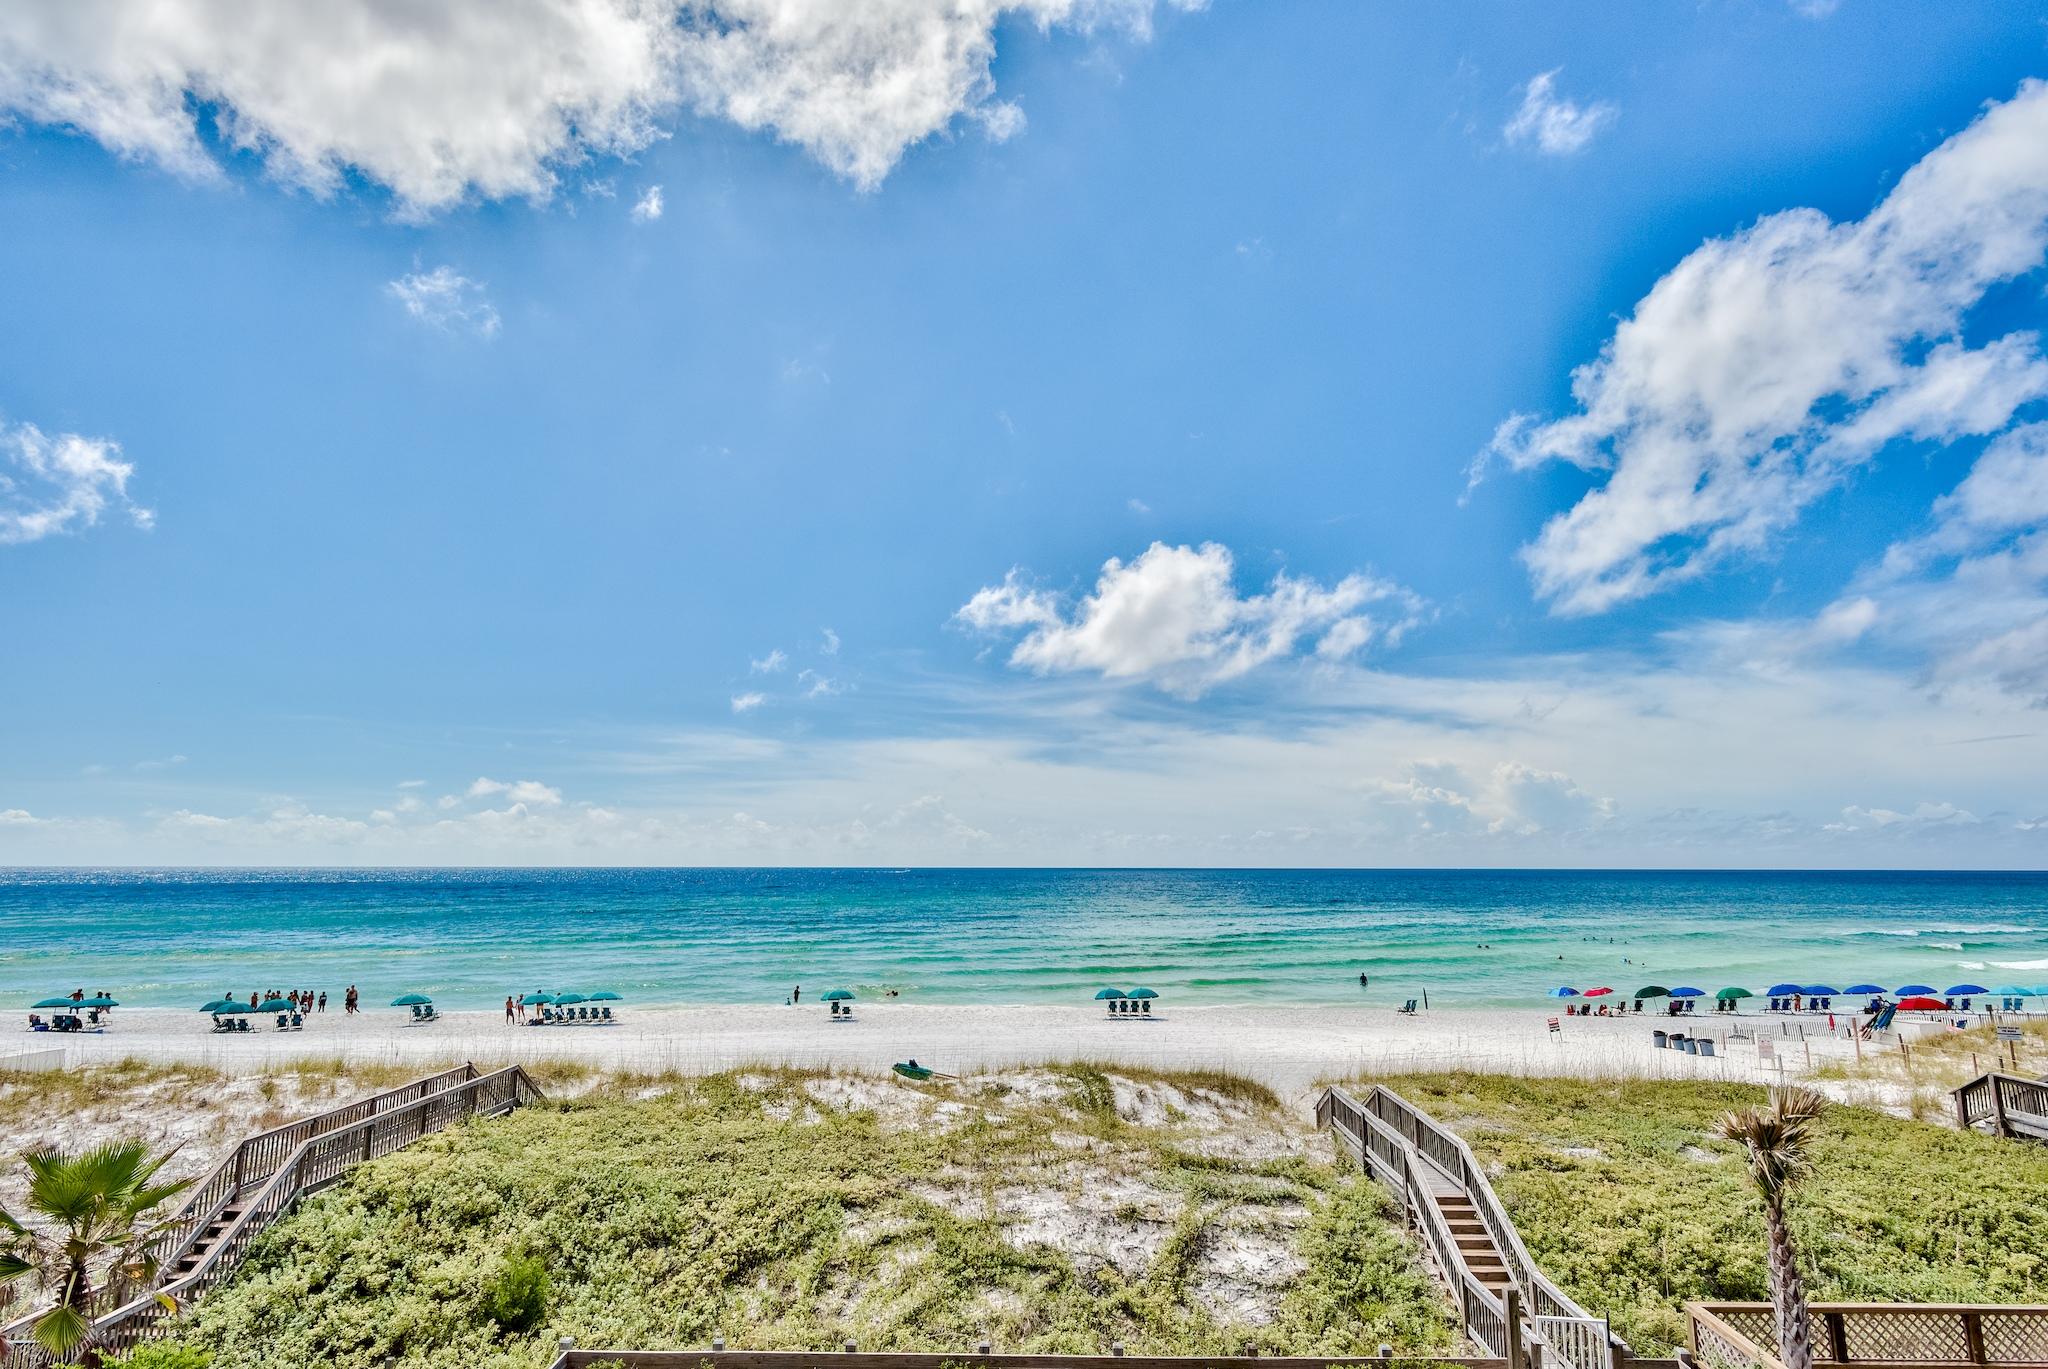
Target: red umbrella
<point x="1922" y="1005"/>
<point x="1595" y="993"/>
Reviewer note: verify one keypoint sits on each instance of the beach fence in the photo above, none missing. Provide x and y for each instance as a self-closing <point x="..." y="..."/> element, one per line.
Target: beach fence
<point x="32" y="1062"/>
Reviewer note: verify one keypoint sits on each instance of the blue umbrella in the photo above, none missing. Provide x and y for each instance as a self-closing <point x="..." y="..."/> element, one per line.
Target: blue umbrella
<point x="1688" y="992"/>
<point x="1784" y="990"/>
<point x="1819" y="988"/>
<point x="2040" y="991"/>
<point x="1864" y="988"/>
<point x="1966" y="988"/>
<point x="1564" y="993"/>
<point x="1913" y="990"/>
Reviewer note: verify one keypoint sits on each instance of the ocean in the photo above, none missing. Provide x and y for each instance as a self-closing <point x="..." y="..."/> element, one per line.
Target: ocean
<point x="1289" y="938"/>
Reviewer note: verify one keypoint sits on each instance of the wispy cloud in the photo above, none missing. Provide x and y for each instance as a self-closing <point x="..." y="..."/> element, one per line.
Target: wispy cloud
<point x="444" y="298"/>
<point x="1553" y="123"/>
<point x="773" y="663"/>
<point x="648" y="207"/>
<point x="1767" y="365"/>
<point x="748" y="702"/>
<point x="60" y="484"/>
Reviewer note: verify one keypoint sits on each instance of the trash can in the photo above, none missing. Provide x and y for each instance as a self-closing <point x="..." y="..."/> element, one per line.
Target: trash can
<point x="1706" y="1047"/>
<point x="1660" y="1039"/>
<point x="1692" y="1045"/>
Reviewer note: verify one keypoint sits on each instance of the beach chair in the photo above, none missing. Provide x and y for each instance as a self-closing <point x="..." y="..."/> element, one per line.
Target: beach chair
<point x="1144" y="1007"/>
<point x="284" y="1020"/>
<point x="298" y="1022"/>
<point x="607" y="1012"/>
<point x="1408" y="1008"/>
<point x="1882" y="1021"/>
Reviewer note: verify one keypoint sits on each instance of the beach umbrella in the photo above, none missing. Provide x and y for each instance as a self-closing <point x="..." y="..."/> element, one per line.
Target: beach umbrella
<point x="97" y="1001"/>
<point x="1564" y="993"/>
<point x="1688" y="992"/>
<point x="234" y="1009"/>
<point x="1732" y="995"/>
<point x="1784" y="990"/>
<point x="1653" y="991"/>
<point x="275" y="1005"/>
<point x="566" y="1000"/>
<point x="1596" y="993"/>
<point x="219" y="1005"/>
<point x="1966" y="988"/>
<point x="1819" y="988"/>
<point x="1141" y="992"/>
<point x="838" y="995"/>
<point x="2009" y="991"/>
<point x="1908" y="990"/>
<point x="410" y="1000"/>
<point x="1921" y="1003"/>
<point x="53" y="1003"/>
<point x="534" y="1000"/>
<point x="603" y="996"/>
<point x="2040" y="991"/>
<point x="1864" y="988"/>
<point x="1101" y="994"/>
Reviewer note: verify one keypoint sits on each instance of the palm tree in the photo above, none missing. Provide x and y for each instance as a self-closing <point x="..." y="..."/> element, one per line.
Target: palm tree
<point x="1778" y="1136"/>
<point x="98" y="1212"/>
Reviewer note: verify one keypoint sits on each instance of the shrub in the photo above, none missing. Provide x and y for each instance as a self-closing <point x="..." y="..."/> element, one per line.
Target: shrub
<point x="162" y="1355"/>
<point x="518" y="1295"/>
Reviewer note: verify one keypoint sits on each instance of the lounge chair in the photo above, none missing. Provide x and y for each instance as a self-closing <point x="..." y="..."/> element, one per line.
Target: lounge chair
<point x="284" y="1021"/>
<point x="1408" y="1008"/>
<point x="1882" y="1021"/>
<point x="607" y="1012"/>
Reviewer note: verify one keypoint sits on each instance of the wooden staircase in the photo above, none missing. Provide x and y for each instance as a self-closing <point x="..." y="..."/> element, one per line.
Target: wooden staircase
<point x="1475" y="1245"/>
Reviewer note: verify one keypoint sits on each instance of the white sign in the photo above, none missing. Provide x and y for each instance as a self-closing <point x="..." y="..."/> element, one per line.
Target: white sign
<point x="2008" y="1033"/>
<point x="1764" y="1049"/>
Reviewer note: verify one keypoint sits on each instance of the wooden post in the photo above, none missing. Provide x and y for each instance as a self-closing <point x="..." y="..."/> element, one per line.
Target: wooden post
<point x="1963" y="1108"/>
<point x="1973" y="1335"/>
<point x="1517" y="1352"/>
<point x="1837" y="1333"/>
<point x="1998" y="1123"/>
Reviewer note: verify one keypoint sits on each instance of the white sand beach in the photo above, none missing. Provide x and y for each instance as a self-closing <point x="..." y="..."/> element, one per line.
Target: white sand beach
<point x="1289" y="1049"/>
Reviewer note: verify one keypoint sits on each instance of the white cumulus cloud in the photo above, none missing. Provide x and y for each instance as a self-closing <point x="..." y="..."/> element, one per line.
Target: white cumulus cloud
<point x="648" y="207"/>
<point x="61" y="483"/>
<point x="495" y="98"/>
<point x="1766" y="366"/>
<point x="517" y="791"/>
<point x="1174" y="617"/>
<point x="1553" y="123"/>
<point x="444" y="298"/>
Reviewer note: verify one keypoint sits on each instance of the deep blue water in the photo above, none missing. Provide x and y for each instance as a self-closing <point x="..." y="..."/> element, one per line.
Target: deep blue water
<point x="469" y="937"/>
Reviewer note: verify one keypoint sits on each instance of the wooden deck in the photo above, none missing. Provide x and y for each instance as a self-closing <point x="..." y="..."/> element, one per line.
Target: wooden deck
<point x="2004" y="1105"/>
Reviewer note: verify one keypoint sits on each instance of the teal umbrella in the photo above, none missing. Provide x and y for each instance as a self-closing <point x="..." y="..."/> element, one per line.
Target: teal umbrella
<point x="2008" y="991"/>
<point x="53" y="1003"/>
<point x="410" y="1000"/>
<point x="1101" y="994"/>
<point x="275" y="1005"/>
<point x="233" y="1009"/>
<point x="98" y="1001"/>
<point x="603" y="996"/>
<point x="838" y="995"/>
<point x="1653" y="991"/>
<point x="563" y="1000"/>
<point x="1141" y="993"/>
<point x="219" y="1005"/>
<point x="534" y="1000"/>
<point x="1732" y="995"/>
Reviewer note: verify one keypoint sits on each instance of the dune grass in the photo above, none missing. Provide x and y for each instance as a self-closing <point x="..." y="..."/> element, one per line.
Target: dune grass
<point x="1624" y="1197"/>
<point x="788" y="1209"/>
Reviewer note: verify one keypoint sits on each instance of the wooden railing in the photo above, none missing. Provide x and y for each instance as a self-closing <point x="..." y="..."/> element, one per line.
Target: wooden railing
<point x="2004" y="1104"/>
<point x="1395" y="1133"/>
<point x="318" y="1159"/>
<point x="573" y="1358"/>
<point x="1875" y="1335"/>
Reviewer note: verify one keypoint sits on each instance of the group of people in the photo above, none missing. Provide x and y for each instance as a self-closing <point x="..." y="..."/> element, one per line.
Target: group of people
<point x="302" y="1000"/>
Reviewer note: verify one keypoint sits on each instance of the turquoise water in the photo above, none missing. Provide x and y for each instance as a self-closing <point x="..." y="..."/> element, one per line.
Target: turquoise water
<point x="176" y="938"/>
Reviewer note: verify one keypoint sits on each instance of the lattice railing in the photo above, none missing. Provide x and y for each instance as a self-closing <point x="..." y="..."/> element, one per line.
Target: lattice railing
<point x="1882" y="1334"/>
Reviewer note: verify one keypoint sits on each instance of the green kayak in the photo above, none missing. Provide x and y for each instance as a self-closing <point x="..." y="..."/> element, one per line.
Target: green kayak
<point x="910" y="1069"/>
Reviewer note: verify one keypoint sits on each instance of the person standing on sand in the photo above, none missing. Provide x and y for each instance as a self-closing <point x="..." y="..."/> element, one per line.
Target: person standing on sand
<point x="348" y="1003"/>
<point x="323" y="1000"/>
<point x="797" y="995"/>
<point x="510" y="1015"/>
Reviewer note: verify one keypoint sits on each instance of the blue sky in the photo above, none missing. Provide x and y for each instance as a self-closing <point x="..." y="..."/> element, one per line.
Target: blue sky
<point x="567" y="431"/>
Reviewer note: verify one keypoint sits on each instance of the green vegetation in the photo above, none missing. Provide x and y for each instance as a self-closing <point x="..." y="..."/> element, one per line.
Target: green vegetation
<point x="1051" y="1210"/>
<point x="1627" y="1197"/>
